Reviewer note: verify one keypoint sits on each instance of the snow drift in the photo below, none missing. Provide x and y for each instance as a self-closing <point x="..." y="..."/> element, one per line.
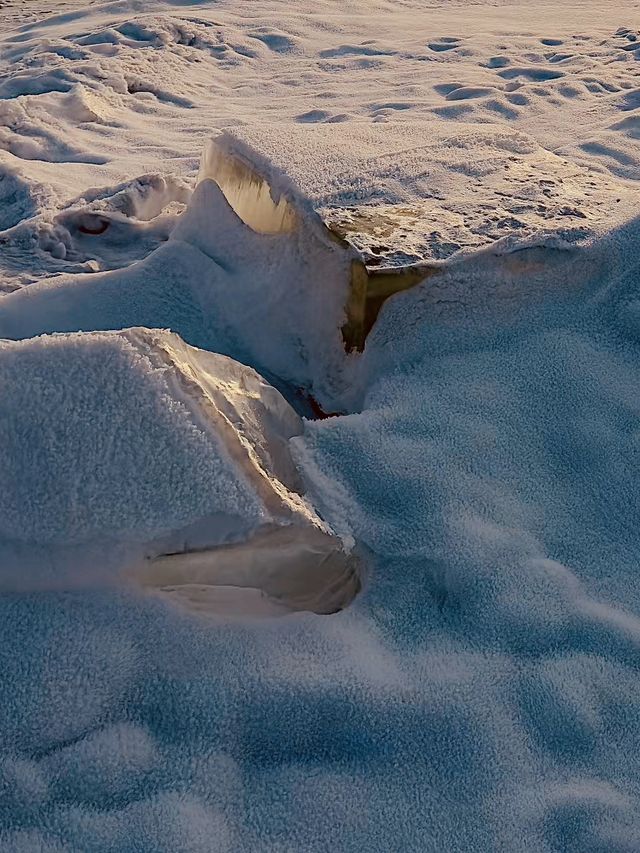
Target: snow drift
<point x="135" y="441"/>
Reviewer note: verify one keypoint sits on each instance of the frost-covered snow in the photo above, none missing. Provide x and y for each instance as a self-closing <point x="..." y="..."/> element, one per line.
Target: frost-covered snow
<point x="481" y="692"/>
<point x="133" y="451"/>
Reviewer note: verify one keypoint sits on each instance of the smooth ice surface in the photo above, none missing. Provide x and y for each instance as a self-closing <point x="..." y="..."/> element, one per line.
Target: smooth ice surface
<point x="482" y="692"/>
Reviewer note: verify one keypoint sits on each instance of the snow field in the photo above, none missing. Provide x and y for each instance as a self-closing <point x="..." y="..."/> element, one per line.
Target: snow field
<point x="481" y="693"/>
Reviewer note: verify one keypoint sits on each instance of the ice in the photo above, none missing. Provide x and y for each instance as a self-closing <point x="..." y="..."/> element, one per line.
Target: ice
<point x="402" y="193"/>
<point x="481" y="690"/>
<point x="293" y="567"/>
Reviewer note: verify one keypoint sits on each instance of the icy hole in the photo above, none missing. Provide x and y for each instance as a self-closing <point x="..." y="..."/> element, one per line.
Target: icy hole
<point x="278" y="571"/>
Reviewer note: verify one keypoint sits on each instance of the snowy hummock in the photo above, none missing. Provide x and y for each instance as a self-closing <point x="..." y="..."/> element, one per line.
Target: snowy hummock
<point x="135" y="439"/>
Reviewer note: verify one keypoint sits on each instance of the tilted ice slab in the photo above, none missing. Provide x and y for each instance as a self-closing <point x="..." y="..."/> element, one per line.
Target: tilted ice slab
<point x="297" y="236"/>
<point x="402" y="198"/>
<point x="408" y="192"/>
<point x="136" y="441"/>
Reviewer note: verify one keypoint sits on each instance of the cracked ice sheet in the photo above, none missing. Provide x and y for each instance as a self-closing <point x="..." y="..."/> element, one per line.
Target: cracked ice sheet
<point x="483" y="692"/>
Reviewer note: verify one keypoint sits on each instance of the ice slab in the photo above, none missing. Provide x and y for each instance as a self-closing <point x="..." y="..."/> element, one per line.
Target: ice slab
<point x="276" y="571"/>
<point x="410" y="193"/>
<point x="401" y="199"/>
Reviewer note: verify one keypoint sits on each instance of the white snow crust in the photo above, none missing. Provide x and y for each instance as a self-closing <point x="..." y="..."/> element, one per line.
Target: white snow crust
<point x="413" y="187"/>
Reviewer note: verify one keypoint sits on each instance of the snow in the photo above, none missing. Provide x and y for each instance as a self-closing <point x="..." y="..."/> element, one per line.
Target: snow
<point x="214" y="282"/>
<point x="150" y="447"/>
<point x="478" y="687"/>
<point x="95" y="413"/>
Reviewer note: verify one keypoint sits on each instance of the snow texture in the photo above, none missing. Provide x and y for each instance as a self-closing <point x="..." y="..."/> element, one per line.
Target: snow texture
<point x="482" y="691"/>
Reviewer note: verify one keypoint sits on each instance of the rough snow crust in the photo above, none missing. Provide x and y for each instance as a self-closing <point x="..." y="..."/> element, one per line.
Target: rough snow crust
<point x="482" y="692"/>
<point x="137" y="437"/>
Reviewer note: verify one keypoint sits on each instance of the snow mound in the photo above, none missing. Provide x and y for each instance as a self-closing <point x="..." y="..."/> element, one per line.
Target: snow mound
<point x="105" y="227"/>
<point x="135" y="441"/>
<point x="138" y="435"/>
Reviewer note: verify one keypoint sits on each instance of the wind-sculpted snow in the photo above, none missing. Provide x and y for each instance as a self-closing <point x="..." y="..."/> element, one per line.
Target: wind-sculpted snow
<point x="482" y="690"/>
<point x="96" y="444"/>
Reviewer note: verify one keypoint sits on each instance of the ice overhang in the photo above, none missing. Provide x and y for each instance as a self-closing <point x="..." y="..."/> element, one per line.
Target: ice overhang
<point x="249" y="193"/>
